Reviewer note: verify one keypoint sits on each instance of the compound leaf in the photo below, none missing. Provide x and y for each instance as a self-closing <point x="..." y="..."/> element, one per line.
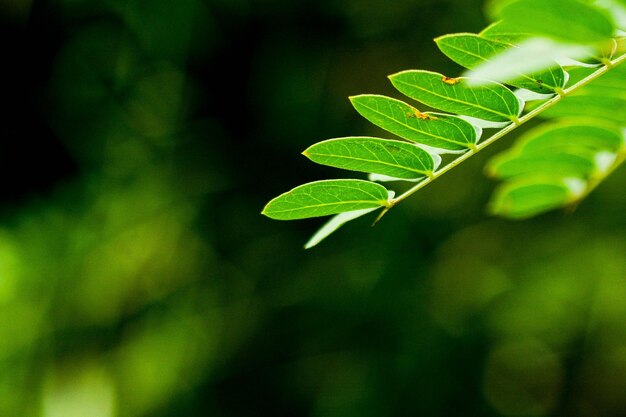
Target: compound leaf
<point x="470" y="50"/>
<point x="432" y="129"/>
<point x="492" y="101"/>
<point x="323" y="198"/>
<point x="379" y="156"/>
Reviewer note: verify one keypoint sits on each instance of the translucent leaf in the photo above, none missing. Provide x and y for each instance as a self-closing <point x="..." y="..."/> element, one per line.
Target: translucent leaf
<point x="335" y="223"/>
<point x="387" y="178"/>
<point x="484" y="124"/>
<point x="493" y="102"/>
<point x="471" y="51"/>
<point x="561" y="164"/>
<point x="561" y="136"/>
<point x="612" y="84"/>
<point x="529" y="197"/>
<point x="431" y="129"/>
<point x="501" y="33"/>
<point x="527" y="95"/>
<point x="380" y="156"/>
<point x="615" y="79"/>
<point x="608" y="109"/>
<point x="531" y="56"/>
<point x="323" y="198"/>
<point x="578" y="73"/>
<point x="566" y="20"/>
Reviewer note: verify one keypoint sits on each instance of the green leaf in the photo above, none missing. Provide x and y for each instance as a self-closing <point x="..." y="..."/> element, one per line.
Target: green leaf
<point x="577" y="74"/>
<point x="501" y="33"/>
<point x="610" y="84"/>
<point x="567" y="20"/>
<point x="529" y="197"/>
<point x="335" y="223"/>
<point x="322" y="198"/>
<point x="535" y="56"/>
<point x="470" y="51"/>
<point x="590" y="106"/>
<point x="614" y="80"/>
<point x="565" y="136"/>
<point x="380" y="156"/>
<point x="432" y="129"/>
<point x="561" y="164"/>
<point x="493" y="102"/>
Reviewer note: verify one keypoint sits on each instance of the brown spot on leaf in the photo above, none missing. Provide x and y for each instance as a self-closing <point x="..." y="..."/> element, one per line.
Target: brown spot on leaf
<point x="450" y="81"/>
<point x="419" y="115"/>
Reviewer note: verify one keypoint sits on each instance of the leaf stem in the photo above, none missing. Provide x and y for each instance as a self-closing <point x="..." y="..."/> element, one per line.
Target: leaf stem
<point x="509" y="128"/>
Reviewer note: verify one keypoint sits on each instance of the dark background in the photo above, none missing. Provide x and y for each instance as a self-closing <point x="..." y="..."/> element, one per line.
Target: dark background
<point x="139" y="142"/>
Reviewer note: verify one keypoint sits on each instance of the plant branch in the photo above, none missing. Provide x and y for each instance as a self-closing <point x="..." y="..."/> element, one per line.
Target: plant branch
<point x="506" y="130"/>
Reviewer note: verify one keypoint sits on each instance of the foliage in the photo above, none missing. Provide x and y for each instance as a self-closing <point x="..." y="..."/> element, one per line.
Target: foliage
<point x="138" y="280"/>
<point x="538" y="54"/>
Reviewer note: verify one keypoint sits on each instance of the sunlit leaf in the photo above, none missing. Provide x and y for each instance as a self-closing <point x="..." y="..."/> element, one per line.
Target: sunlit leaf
<point x="577" y="74"/>
<point x="567" y="20"/>
<point x="561" y="164"/>
<point x="535" y="56"/>
<point x="614" y="79"/>
<point x="493" y="101"/>
<point x="380" y="156"/>
<point x="323" y="198"/>
<point x="611" y="84"/>
<point x="564" y="135"/>
<point x="470" y="51"/>
<point x="527" y="198"/>
<point x="335" y="223"/>
<point x="501" y="33"/>
<point x="607" y="109"/>
<point x="431" y="129"/>
<point x="527" y="96"/>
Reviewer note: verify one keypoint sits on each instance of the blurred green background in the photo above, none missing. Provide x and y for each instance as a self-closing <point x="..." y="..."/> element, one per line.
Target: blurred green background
<point x="139" y="142"/>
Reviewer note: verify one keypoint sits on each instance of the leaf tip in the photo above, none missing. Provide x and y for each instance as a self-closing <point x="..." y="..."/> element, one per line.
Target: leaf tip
<point x="267" y="210"/>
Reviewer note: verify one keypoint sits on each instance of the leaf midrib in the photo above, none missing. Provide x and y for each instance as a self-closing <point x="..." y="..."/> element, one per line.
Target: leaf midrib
<point x="372" y="161"/>
<point x="417" y="87"/>
<point x="414" y="129"/>
<point x="377" y="202"/>
<point x="528" y="78"/>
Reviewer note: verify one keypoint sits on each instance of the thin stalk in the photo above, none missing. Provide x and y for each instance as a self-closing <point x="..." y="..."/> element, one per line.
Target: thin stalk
<point x="506" y="130"/>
